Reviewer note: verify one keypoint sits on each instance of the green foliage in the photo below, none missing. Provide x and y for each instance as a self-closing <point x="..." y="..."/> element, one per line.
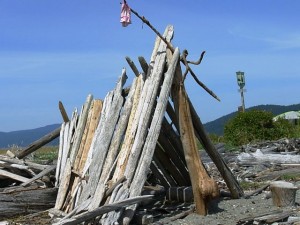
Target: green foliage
<point x="256" y="125"/>
<point x="46" y="153"/>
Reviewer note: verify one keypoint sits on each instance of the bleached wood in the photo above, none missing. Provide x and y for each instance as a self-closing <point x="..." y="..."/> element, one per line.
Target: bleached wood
<point x="60" y="150"/>
<point x="258" y="157"/>
<point x="80" y="129"/>
<point x="63" y="188"/>
<point x="115" y="144"/>
<point x="30" y="165"/>
<point x="89" y="130"/>
<point x="13" y="176"/>
<point x="130" y="132"/>
<point x="103" y="135"/>
<point x="141" y="173"/>
<point x="103" y="209"/>
<point x="95" y="118"/>
<point x="38" y="143"/>
<point x="147" y="102"/>
<point x="41" y="174"/>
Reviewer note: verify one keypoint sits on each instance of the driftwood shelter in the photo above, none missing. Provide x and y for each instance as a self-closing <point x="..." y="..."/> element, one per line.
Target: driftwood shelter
<point x="108" y="151"/>
<point x="136" y="138"/>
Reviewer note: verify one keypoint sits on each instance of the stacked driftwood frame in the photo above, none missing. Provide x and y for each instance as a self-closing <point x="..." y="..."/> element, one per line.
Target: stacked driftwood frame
<point x="108" y="149"/>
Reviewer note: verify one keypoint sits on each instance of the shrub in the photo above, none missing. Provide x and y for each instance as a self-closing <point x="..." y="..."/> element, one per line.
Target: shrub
<point x="256" y="125"/>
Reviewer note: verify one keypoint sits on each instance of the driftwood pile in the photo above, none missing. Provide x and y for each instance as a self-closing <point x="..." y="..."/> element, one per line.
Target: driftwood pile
<point x="25" y="188"/>
<point x="109" y="150"/>
<point x="141" y="139"/>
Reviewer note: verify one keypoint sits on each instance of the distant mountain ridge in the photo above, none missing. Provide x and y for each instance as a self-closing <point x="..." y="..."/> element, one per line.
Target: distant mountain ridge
<point x="217" y="126"/>
<point x="24" y="138"/>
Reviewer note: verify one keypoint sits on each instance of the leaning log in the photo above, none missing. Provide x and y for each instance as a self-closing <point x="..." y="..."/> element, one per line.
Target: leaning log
<point x="231" y="182"/>
<point x="39" y="143"/>
<point x="204" y="187"/>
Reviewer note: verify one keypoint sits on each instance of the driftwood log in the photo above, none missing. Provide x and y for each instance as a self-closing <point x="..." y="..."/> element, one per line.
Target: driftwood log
<point x="283" y="193"/>
<point x="26" y="201"/>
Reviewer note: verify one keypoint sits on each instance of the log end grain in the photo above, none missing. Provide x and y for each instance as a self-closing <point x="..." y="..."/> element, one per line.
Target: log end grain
<point x="283" y="193"/>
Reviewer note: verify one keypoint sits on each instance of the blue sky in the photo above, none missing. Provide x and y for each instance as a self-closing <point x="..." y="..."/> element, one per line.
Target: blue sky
<point x="53" y="51"/>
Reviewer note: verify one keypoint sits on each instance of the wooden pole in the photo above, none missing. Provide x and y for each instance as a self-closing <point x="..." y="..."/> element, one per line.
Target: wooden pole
<point x="232" y="183"/>
<point x="39" y="143"/>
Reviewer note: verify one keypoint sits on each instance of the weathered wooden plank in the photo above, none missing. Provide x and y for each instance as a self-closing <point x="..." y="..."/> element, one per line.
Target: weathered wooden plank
<point x="170" y="166"/>
<point x="95" y="118"/>
<point x="13" y="176"/>
<point x="31" y="165"/>
<point x="116" y="142"/>
<point x="87" y="216"/>
<point x="140" y="175"/>
<point x="111" y="111"/>
<point x="59" y="157"/>
<point x="80" y="129"/>
<point x="148" y="99"/>
<point x="41" y="174"/>
<point x="63" y="187"/>
<point x="130" y="132"/>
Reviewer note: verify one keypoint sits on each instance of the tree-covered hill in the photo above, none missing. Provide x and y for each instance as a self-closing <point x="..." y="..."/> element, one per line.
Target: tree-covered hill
<point x="24" y="138"/>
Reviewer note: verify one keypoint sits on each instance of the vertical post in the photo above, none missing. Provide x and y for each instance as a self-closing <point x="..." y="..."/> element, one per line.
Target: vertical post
<point x="243" y="101"/>
<point x="241" y="82"/>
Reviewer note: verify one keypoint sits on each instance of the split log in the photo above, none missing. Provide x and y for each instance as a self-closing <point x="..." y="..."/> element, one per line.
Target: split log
<point x="283" y="193"/>
<point x="63" y="187"/>
<point x="130" y="132"/>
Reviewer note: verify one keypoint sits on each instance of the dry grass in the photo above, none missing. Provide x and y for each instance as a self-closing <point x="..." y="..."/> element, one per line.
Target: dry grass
<point x="44" y="153"/>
